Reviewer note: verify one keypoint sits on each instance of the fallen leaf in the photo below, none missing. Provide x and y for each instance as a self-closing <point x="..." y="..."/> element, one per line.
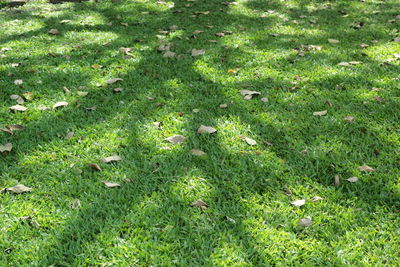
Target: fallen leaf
<point x="6" y="130"/>
<point x="157" y="124"/>
<point x="299" y="202"/>
<point x="111" y="159"/>
<point x="96" y="66"/>
<point x="118" y="90"/>
<point x="206" y="129"/>
<point x="198" y="52"/>
<point x="379" y="99"/>
<point x="69" y="135"/>
<point x="355" y="62"/>
<point x="320" y="113"/>
<point x="264" y="99"/>
<point x="76" y="203"/>
<point x="28" y="95"/>
<point x="333" y="41"/>
<point x="197" y="152"/>
<point x="18" y="108"/>
<point x="6" y="147"/>
<point x="176" y="139"/>
<point x="18" y="82"/>
<point x="352" y="179"/>
<point x="337" y="180"/>
<point x="316" y="198"/>
<point x="60" y="104"/>
<point x="169" y="54"/>
<point x="305" y="222"/>
<point x="110" y="184"/>
<point x="17" y="98"/>
<point x="365" y="168"/>
<point x="82" y="93"/>
<point x="114" y="80"/>
<point x="19" y="189"/>
<point x="248" y="92"/>
<point x="223" y="105"/>
<point x="349" y="119"/>
<point x="94" y="166"/>
<point x="249" y="141"/>
<point x="199" y="203"/>
<point x="54" y="32"/>
<point x="344" y="64"/>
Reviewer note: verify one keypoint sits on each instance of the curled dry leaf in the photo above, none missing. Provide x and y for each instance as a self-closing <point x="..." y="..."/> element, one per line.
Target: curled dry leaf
<point x="349" y="119"/>
<point x="365" y="168"/>
<point x="299" y="202"/>
<point x="17" y="98"/>
<point x="305" y="222"/>
<point x="54" y="32"/>
<point x="352" y="179"/>
<point x="197" y="152"/>
<point x="18" y="108"/>
<point x="316" y="198"/>
<point x="199" y="203"/>
<point x="60" y="104"/>
<point x="206" y="129"/>
<point x="320" y="113"/>
<point x="19" y="189"/>
<point x="111" y="159"/>
<point x="110" y="184"/>
<point x="198" y="52"/>
<point x="6" y="147"/>
<point x="175" y="139"/>
<point x="114" y="80"/>
<point x="11" y="128"/>
<point x="94" y="166"/>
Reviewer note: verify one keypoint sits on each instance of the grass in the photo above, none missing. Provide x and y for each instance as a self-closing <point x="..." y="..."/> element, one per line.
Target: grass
<point x="248" y="189"/>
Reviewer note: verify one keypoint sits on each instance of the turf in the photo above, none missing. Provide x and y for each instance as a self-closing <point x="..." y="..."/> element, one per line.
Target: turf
<point x="249" y="219"/>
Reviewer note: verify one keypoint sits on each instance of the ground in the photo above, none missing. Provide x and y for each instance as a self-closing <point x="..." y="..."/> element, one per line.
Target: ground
<point x="327" y="74"/>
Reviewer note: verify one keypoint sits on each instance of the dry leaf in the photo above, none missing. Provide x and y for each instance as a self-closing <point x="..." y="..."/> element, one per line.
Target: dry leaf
<point x="355" y="62"/>
<point x="169" y="54"/>
<point x="206" y="129"/>
<point x="333" y="41"/>
<point x="17" y="98"/>
<point x="18" y="108"/>
<point x="19" y="189"/>
<point x="249" y="141"/>
<point x="69" y="135"/>
<point x="54" y="32"/>
<point x="248" y="97"/>
<point x="114" y="80"/>
<point x="94" y="166"/>
<point x="349" y="119"/>
<point x="198" y="52"/>
<point x="264" y="99"/>
<point x="197" y="152"/>
<point x="305" y="222"/>
<point x="110" y="184"/>
<point x="337" y="180"/>
<point x="60" y="104"/>
<point x="18" y="82"/>
<point x="118" y="90"/>
<point x="76" y="203"/>
<point x="157" y="124"/>
<point x="320" y="113"/>
<point x="344" y="64"/>
<point x="96" y="66"/>
<point x="199" y="203"/>
<point x="223" y="105"/>
<point x="248" y="92"/>
<point x="176" y="139"/>
<point x="316" y="198"/>
<point x="82" y="93"/>
<point x="6" y="147"/>
<point x="299" y="202"/>
<point x="111" y="159"/>
<point x="28" y="95"/>
<point x="352" y="179"/>
<point x="365" y="168"/>
<point x="379" y="99"/>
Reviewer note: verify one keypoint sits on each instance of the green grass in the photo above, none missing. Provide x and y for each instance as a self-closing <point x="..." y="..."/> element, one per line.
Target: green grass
<point x="149" y="221"/>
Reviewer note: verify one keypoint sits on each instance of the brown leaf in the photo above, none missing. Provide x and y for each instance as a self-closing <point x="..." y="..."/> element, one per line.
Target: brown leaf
<point x="6" y="130"/>
<point x="344" y="64"/>
<point x="54" y="32"/>
<point x="169" y="54"/>
<point x="110" y="184"/>
<point x="60" y="104"/>
<point x="320" y="113"/>
<point x="6" y="147"/>
<point x="114" y="80"/>
<point x="333" y="41"/>
<point x="17" y="98"/>
<point x="18" y="108"/>
<point x="223" y="105"/>
<point x="111" y="159"/>
<point x="379" y="99"/>
<point x="206" y="129"/>
<point x="264" y="99"/>
<point x="337" y="180"/>
<point x="197" y="152"/>
<point x="198" y="52"/>
<point x="118" y="90"/>
<point x="352" y="179"/>
<point x="305" y="222"/>
<point x="199" y="203"/>
<point x="299" y="202"/>
<point x="349" y="119"/>
<point x="365" y="168"/>
<point x="19" y="189"/>
<point x="176" y="139"/>
<point x="249" y="141"/>
<point x="94" y="166"/>
<point x="96" y="66"/>
<point x="69" y="135"/>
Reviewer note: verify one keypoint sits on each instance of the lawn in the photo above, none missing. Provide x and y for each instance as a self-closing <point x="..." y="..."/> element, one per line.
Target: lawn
<point x="270" y="188"/>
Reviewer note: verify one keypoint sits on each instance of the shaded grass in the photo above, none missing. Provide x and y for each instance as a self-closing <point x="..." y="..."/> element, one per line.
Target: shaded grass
<point x="149" y="221"/>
